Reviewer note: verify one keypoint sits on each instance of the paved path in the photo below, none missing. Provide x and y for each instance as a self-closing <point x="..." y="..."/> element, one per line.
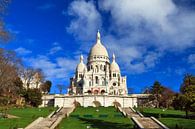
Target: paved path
<point x="47" y="123"/>
<point x="143" y="122"/>
<point x="130" y="113"/>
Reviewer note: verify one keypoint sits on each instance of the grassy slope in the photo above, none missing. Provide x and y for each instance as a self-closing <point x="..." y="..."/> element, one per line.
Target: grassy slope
<point x="26" y="116"/>
<point x="170" y="117"/>
<point x="113" y="121"/>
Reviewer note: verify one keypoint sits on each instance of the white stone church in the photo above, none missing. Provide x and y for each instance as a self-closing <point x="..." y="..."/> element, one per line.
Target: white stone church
<point x="98" y="76"/>
<point x="99" y="82"/>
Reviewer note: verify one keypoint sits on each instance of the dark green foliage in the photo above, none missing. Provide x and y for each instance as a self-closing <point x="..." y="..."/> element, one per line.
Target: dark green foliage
<point x="188" y="93"/>
<point x="185" y="100"/>
<point x="161" y="95"/>
<point x="178" y="102"/>
<point x="46" y="86"/>
<point x="33" y="97"/>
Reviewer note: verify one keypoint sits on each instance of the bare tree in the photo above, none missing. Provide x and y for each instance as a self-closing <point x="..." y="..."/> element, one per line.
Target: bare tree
<point x="60" y="88"/>
<point x="30" y="75"/>
<point x="4" y="34"/>
<point x="39" y="77"/>
<point x="9" y="64"/>
<point x="27" y="75"/>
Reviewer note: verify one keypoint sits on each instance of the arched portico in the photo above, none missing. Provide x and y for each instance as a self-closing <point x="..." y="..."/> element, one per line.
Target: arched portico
<point x="103" y="92"/>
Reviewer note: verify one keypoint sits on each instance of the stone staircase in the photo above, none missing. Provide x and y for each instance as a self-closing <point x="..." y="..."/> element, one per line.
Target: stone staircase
<point x="52" y="120"/>
<point x="142" y="122"/>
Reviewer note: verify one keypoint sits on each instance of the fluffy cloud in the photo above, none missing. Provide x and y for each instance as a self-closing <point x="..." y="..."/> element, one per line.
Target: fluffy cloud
<point x="22" y="51"/>
<point x="86" y="20"/>
<point x="158" y="22"/>
<point x="60" y="68"/>
<point x="139" y="32"/>
<point x="55" y="49"/>
<point x="191" y="60"/>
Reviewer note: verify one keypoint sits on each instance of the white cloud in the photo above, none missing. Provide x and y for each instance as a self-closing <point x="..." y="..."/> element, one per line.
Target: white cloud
<point x="87" y="19"/>
<point x="159" y="22"/>
<point x="191" y="60"/>
<point x="22" y="51"/>
<point x="55" y="49"/>
<point x="139" y="32"/>
<point x="60" y="68"/>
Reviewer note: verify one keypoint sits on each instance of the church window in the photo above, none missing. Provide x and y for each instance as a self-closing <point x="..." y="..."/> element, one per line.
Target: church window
<point x="114" y="84"/>
<point x="80" y="75"/>
<point x="97" y="68"/>
<point x="96" y="80"/>
<point x="114" y="74"/>
<point x="103" y="81"/>
<point x="104" y="67"/>
<point x="89" y="83"/>
<point x="100" y="67"/>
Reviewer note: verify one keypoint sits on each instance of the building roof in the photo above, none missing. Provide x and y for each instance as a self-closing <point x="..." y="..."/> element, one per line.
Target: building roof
<point x="114" y="66"/>
<point x="98" y="49"/>
<point x="81" y="66"/>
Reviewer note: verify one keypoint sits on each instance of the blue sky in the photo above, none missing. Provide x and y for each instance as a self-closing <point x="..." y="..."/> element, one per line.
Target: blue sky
<point x="152" y="39"/>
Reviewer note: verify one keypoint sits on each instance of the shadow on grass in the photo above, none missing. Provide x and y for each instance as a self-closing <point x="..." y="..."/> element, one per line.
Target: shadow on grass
<point x="157" y="115"/>
<point x="101" y="124"/>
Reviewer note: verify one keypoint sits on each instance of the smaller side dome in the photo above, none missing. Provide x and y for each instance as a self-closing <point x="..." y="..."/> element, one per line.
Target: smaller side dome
<point x="81" y="66"/>
<point x="114" y="66"/>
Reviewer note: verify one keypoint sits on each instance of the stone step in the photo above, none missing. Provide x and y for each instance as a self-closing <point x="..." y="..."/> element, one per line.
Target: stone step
<point x="148" y="123"/>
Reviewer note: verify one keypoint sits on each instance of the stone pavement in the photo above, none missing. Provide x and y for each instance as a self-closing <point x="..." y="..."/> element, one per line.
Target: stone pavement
<point x="52" y="121"/>
<point x="143" y="122"/>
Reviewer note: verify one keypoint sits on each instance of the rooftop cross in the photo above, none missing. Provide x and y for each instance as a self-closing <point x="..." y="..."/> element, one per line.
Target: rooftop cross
<point x="98" y="37"/>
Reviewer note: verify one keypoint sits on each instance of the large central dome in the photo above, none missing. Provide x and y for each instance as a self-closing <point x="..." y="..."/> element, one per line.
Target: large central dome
<point x="98" y="50"/>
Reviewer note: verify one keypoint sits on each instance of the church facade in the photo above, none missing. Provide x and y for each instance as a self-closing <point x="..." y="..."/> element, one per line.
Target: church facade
<point x="96" y="83"/>
<point x="99" y="76"/>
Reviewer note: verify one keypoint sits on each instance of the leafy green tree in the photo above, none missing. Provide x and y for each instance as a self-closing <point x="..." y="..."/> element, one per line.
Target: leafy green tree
<point x="33" y="97"/>
<point x="46" y="86"/>
<point x="167" y="97"/>
<point x="189" y="99"/>
<point x="187" y="96"/>
<point x="156" y="91"/>
<point x="178" y="101"/>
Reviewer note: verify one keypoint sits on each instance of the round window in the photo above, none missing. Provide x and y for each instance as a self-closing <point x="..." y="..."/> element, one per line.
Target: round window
<point x="114" y="84"/>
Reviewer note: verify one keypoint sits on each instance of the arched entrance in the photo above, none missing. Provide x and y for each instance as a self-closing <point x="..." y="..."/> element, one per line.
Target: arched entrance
<point x="95" y="92"/>
<point x="103" y="92"/>
<point x="89" y="92"/>
<point x="96" y="104"/>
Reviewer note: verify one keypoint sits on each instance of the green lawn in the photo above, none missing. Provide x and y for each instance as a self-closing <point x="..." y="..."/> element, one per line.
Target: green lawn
<point x="105" y="118"/>
<point x="170" y="117"/>
<point x="26" y="116"/>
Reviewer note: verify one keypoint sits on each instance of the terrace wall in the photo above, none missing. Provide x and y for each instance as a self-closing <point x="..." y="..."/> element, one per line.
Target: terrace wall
<point x="91" y="100"/>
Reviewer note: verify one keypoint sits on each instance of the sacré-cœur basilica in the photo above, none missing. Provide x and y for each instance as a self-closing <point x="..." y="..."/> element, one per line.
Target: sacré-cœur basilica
<point x="97" y="83"/>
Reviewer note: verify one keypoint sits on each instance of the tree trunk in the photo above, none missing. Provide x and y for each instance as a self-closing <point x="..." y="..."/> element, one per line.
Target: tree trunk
<point x="187" y="115"/>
